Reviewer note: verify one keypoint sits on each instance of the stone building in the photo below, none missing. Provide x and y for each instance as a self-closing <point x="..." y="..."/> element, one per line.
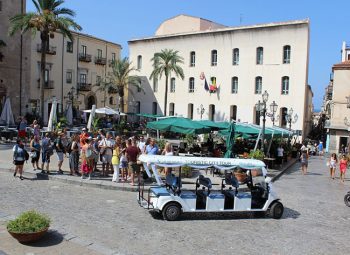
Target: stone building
<point x="15" y="59"/>
<point x="238" y="64"/>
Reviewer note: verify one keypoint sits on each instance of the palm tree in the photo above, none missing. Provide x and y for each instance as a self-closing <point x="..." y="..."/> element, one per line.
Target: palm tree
<point x="165" y="62"/>
<point x="121" y="80"/>
<point x="48" y="18"/>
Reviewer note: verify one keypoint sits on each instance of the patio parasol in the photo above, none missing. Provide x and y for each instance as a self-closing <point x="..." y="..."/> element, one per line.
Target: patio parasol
<point x="7" y="115"/>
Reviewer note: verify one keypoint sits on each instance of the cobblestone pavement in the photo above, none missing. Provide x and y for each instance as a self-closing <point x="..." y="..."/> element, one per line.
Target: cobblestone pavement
<point x="315" y="221"/>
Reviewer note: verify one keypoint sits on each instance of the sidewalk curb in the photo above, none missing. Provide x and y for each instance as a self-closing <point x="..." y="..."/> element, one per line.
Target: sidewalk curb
<point x="289" y="165"/>
<point x="80" y="182"/>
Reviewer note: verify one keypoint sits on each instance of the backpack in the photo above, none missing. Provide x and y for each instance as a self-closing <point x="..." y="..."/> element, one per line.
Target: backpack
<point x="68" y="147"/>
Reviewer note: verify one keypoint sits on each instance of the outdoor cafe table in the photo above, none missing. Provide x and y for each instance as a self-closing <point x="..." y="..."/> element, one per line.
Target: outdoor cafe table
<point x="270" y="162"/>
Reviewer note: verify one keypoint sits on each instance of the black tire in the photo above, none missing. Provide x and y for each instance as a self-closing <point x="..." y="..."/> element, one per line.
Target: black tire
<point x="171" y="211"/>
<point x="276" y="210"/>
<point x="347" y="199"/>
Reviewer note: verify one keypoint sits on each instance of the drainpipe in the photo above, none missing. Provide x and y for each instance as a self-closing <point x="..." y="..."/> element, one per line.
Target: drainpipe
<point x="20" y="67"/>
<point x="62" y="72"/>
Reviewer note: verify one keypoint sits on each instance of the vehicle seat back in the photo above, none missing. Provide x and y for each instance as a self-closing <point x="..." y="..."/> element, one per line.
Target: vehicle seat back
<point x="173" y="183"/>
<point x="206" y="182"/>
<point x="230" y="179"/>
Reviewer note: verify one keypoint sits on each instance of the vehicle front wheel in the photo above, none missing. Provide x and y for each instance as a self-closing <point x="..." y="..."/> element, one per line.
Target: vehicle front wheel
<point x="347" y="199"/>
<point x="171" y="212"/>
<point x="276" y="210"/>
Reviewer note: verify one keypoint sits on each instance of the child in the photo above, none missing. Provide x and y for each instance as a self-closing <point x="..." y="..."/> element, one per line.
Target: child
<point x="332" y="164"/>
<point x="343" y="164"/>
<point x="304" y="161"/>
<point x="123" y="163"/>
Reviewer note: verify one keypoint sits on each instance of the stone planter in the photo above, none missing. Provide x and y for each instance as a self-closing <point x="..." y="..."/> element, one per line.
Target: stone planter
<point x="28" y="237"/>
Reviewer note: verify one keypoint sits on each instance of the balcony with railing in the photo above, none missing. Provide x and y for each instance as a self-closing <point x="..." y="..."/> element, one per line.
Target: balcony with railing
<point x="47" y="84"/>
<point x="84" y="57"/>
<point x="51" y="50"/>
<point x="83" y="86"/>
<point x="100" y="61"/>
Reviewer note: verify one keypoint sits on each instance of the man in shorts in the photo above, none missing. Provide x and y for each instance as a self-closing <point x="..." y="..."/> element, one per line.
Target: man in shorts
<point x="59" y="151"/>
<point x="106" y="146"/>
<point x="132" y="153"/>
<point x="47" y="152"/>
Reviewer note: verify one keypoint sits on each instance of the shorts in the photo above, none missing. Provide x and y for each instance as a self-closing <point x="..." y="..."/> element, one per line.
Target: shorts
<point x="124" y="164"/>
<point x="304" y="164"/>
<point x="60" y="156"/>
<point x="36" y="159"/>
<point x="134" y="168"/>
<point x="21" y="133"/>
<point x="106" y="159"/>
<point x="19" y="162"/>
<point x="45" y="158"/>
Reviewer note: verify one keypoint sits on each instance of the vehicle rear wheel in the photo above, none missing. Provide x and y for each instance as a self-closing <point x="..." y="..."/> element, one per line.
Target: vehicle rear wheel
<point x="347" y="199"/>
<point x="276" y="210"/>
<point x="171" y="212"/>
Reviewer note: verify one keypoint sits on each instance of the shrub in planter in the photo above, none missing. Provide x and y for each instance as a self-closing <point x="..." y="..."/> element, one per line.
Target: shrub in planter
<point x="30" y="226"/>
<point x="258" y="154"/>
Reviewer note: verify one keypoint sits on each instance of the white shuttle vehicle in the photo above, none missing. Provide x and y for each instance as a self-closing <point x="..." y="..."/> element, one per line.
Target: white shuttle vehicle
<point x="253" y="194"/>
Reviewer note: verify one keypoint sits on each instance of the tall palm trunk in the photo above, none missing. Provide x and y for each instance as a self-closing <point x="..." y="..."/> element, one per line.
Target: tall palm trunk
<point x="166" y="95"/>
<point x="44" y="43"/>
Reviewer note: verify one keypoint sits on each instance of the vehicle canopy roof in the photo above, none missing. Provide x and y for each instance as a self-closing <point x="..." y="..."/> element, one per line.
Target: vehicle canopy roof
<point x="203" y="162"/>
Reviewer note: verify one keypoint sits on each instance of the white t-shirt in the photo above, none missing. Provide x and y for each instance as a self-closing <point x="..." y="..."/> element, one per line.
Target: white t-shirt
<point x="280" y="152"/>
<point x="142" y="146"/>
<point x="108" y="143"/>
<point x="20" y="153"/>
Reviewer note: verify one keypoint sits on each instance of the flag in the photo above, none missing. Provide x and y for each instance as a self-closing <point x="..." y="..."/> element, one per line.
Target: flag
<point x="202" y="77"/>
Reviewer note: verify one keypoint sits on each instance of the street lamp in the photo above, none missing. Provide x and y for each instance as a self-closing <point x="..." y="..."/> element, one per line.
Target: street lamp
<point x="261" y="107"/>
<point x="201" y="110"/>
<point x="290" y="119"/>
<point x="273" y="110"/>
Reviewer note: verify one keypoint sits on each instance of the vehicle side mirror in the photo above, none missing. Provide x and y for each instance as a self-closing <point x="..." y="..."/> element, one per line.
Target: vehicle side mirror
<point x="268" y="179"/>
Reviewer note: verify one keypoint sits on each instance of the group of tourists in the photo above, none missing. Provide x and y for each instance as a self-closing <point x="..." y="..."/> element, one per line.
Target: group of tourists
<point x="333" y="163"/>
<point x="117" y="155"/>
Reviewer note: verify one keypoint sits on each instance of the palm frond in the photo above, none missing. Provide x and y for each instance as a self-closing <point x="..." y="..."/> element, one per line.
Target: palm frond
<point x="64" y="11"/>
<point x="37" y="6"/>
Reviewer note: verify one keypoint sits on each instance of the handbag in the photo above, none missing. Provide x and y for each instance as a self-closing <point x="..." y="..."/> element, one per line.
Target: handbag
<point x="32" y="154"/>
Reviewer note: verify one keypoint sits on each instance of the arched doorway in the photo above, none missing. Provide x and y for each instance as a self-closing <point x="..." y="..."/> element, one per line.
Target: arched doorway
<point x="91" y="100"/>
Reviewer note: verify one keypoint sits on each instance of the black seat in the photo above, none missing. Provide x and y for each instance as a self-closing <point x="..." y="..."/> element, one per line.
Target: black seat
<point x="206" y="182"/>
<point x="231" y="180"/>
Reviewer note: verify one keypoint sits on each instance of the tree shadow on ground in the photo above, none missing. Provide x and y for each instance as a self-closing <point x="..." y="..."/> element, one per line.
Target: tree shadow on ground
<point x="288" y="214"/>
<point x="51" y="238"/>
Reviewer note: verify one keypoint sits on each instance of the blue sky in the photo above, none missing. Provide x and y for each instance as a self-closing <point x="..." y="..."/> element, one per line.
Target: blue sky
<point x="120" y="21"/>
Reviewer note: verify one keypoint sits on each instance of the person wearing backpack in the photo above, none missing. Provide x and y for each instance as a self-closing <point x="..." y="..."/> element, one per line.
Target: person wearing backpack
<point x="47" y="152"/>
<point x="18" y="158"/>
<point x="59" y="151"/>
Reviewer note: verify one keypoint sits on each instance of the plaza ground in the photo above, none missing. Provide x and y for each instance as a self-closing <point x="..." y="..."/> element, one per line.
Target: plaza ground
<point x="101" y="221"/>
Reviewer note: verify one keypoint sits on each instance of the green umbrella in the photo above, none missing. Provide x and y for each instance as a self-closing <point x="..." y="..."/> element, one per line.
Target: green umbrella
<point x="230" y="140"/>
<point x="178" y="125"/>
<point x="214" y="125"/>
<point x="147" y="115"/>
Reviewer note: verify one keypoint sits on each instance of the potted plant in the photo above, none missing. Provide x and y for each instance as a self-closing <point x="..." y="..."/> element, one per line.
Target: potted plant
<point x="258" y="154"/>
<point x="28" y="227"/>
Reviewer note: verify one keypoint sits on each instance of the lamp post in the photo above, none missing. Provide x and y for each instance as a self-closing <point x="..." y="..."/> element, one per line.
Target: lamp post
<point x="201" y="110"/>
<point x="273" y="110"/>
<point x="261" y="107"/>
<point x="290" y="119"/>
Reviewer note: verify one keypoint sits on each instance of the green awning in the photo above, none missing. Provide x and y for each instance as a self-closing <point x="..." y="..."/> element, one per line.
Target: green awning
<point x="214" y="125"/>
<point x="178" y="125"/>
<point x="148" y="115"/>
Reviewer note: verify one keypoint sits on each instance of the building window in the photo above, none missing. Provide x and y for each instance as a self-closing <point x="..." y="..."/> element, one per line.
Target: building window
<point x="259" y="55"/>
<point x="257" y="116"/>
<point x="83" y="50"/>
<point x="69" y="77"/>
<point x="258" y="85"/>
<point x="283" y="114"/>
<point x="172" y="85"/>
<point x="47" y="76"/>
<point x="99" y="53"/>
<point x="286" y="54"/>
<point x="155" y="84"/>
<point x="234" y="85"/>
<point x="190" y="111"/>
<point x="154" y="108"/>
<point x="83" y="79"/>
<point x="111" y="100"/>
<point x="113" y="56"/>
<point x="233" y="112"/>
<point x="193" y="58"/>
<point x="171" y="109"/>
<point x="211" y="112"/>
<point x="235" y="56"/>
<point x="191" y="85"/>
<point x="214" y="57"/>
<point x="98" y="80"/>
<point x="69" y="47"/>
<point x="139" y="62"/>
<point x="285" y="85"/>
